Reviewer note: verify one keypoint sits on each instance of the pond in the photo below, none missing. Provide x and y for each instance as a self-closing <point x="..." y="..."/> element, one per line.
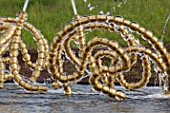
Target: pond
<point x="82" y="100"/>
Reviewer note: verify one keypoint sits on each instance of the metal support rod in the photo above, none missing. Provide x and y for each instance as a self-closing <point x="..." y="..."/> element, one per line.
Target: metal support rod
<point x="74" y="7"/>
<point x="25" y="5"/>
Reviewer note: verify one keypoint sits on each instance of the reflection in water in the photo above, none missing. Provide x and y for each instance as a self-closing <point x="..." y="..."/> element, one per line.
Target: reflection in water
<point x="15" y="100"/>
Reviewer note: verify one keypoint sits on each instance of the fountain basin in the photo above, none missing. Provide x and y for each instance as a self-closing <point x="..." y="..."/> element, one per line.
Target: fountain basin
<point x="83" y="99"/>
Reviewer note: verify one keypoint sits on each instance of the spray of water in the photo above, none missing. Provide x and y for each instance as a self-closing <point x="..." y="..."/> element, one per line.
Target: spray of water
<point x="164" y="28"/>
<point x="92" y="7"/>
<point x="123" y="2"/>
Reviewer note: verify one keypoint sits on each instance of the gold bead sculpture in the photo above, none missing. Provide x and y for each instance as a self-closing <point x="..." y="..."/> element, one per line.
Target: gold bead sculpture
<point x="102" y="77"/>
<point x="11" y="40"/>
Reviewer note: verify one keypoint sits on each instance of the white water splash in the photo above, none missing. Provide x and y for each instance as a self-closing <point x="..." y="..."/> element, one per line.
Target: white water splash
<point x="92" y="7"/>
<point x="153" y="93"/>
<point x="157" y="96"/>
<point x="164" y="28"/>
<point x="119" y="5"/>
<point x="101" y="12"/>
<point x="151" y="96"/>
<point x="113" y="9"/>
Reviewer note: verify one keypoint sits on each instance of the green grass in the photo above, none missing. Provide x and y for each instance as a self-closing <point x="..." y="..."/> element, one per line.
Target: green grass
<point x="50" y="16"/>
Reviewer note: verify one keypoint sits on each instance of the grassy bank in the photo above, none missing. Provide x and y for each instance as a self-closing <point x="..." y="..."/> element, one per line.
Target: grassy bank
<point x="50" y="16"/>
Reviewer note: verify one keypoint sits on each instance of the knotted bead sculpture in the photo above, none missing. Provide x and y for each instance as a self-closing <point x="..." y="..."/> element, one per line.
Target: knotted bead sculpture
<point x="122" y="58"/>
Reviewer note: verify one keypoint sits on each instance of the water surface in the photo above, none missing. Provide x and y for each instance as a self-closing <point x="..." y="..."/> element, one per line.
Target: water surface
<point x="13" y="99"/>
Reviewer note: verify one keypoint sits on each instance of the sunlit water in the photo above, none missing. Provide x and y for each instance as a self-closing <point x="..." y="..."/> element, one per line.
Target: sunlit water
<point x="83" y="100"/>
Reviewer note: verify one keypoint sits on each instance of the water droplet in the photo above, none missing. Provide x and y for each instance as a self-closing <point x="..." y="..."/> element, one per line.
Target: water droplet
<point x="89" y="5"/>
<point x="91" y="8"/>
<point x="101" y="12"/>
<point x="114" y="8"/>
<point x="143" y="37"/>
<point x="108" y="13"/>
<point x="116" y="27"/>
<point x="119" y="4"/>
<point x="123" y="36"/>
<point x="152" y="61"/>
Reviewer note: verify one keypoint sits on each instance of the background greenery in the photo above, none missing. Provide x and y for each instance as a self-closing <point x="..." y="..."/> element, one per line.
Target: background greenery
<point x="50" y="16"/>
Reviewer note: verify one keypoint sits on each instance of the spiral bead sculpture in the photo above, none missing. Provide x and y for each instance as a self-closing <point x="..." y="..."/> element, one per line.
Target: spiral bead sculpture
<point x="102" y="77"/>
